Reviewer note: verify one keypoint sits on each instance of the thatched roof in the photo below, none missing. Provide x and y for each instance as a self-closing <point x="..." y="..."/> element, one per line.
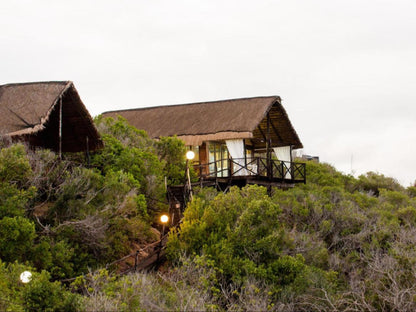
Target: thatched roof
<point x="31" y="112"/>
<point x="229" y="119"/>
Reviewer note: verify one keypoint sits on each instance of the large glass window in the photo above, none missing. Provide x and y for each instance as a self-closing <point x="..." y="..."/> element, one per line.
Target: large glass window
<point x="224" y="158"/>
<point x="218" y="159"/>
<point x="211" y="158"/>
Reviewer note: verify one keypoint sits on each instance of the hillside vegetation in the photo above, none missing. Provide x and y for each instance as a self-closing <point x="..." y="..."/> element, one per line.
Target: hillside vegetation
<point x="337" y="243"/>
<point x="64" y="218"/>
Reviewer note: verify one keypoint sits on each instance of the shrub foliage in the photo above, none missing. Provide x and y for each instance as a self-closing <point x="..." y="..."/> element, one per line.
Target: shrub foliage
<point x="337" y="243"/>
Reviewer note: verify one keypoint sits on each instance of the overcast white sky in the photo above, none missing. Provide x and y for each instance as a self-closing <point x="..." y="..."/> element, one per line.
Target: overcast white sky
<point x="346" y="70"/>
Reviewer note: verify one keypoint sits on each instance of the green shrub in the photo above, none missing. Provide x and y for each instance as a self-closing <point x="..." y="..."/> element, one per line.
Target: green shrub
<point x="14" y="201"/>
<point x="39" y="294"/>
<point x="242" y="233"/>
<point x="14" y="165"/>
<point x="372" y="182"/>
<point x="16" y="238"/>
<point x="42" y="295"/>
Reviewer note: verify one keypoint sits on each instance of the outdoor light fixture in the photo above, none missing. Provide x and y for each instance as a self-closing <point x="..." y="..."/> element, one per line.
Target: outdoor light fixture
<point x="26" y="277"/>
<point x="190" y="155"/>
<point x="164" y="219"/>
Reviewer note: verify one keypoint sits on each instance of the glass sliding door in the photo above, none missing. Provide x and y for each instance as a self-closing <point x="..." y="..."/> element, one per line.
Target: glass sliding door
<point x="211" y="160"/>
<point x="224" y="160"/>
<point x="218" y="159"/>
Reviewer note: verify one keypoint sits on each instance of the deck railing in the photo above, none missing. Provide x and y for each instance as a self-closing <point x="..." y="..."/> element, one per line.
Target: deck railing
<point x="253" y="167"/>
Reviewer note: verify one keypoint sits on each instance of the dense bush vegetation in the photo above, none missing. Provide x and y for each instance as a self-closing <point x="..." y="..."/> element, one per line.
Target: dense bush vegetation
<point x="337" y="243"/>
<point x="64" y="217"/>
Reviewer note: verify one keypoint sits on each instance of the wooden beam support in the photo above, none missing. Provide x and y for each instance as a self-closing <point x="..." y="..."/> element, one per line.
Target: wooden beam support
<point x="88" y="151"/>
<point x="275" y="130"/>
<point x="268" y="153"/>
<point x="268" y="131"/>
<point x="262" y="133"/>
<point x="60" y="128"/>
<point x="245" y="153"/>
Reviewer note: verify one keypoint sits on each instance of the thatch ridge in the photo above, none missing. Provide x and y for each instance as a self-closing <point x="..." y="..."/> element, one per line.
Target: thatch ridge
<point x="13" y="84"/>
<point x="193" y="103"/>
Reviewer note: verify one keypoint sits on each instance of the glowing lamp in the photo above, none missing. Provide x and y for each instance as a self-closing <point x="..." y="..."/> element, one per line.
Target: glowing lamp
<point x="164" y="219"/>
<point x="26" y="277"/>
<point x="190" y="155"/>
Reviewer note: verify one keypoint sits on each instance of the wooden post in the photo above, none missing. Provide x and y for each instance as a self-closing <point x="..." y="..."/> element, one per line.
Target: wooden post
<point x="60" y="128"/>
<point x="245" y="153"/>
<point x="88" y="151"/>
<point x="268" y="154"/>
<point x="291" y="164"/>
<point x="189" y="180"/>
<point x="282" y="163"/>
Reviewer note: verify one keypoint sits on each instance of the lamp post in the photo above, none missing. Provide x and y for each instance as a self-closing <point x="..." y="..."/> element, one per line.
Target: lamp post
<point x="189" y="156"/>
<point x="163" y="219"/>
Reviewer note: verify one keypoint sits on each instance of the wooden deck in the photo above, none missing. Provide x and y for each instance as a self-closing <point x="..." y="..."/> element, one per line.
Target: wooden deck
<point x="226" y="173"/>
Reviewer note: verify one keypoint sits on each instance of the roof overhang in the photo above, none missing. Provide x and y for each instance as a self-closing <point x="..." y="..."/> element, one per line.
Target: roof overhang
<point x="197" y="140"/>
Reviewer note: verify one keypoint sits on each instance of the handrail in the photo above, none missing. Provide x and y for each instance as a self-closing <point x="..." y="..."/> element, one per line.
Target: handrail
<point x="255" y="166"/>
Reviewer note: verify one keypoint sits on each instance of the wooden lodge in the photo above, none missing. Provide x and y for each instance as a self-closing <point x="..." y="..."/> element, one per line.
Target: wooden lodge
<point x="236" y="142"/>
<point x="47" y="115"/>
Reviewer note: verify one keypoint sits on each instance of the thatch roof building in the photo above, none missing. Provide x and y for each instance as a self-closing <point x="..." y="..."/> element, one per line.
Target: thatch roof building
<point x="245" y="118"/>
<point x="48" y="115"/>
<point x="235" y="142"/>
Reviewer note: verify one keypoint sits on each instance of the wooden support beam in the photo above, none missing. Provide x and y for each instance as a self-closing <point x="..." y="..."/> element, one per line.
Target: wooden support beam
<point x="245" y="153"/>
<point x="268" y="153"/>
<point x="275" y="130"/>
<point x="262" y="133"/>
<point x="88" y="151"/>
<point x="60" y="128"/>
<point x="268" y="131"/>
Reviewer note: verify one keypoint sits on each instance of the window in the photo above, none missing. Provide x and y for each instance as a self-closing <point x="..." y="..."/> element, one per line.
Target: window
<point x="218" y="159"/>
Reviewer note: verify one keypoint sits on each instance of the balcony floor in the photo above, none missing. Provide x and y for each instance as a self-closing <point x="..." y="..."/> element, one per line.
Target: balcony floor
<point x="242" y="181"/>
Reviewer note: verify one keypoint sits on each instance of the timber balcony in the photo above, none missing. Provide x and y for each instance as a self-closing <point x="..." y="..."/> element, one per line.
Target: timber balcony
<point x="224" y="173"/>
<point x="256" y="170"/>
